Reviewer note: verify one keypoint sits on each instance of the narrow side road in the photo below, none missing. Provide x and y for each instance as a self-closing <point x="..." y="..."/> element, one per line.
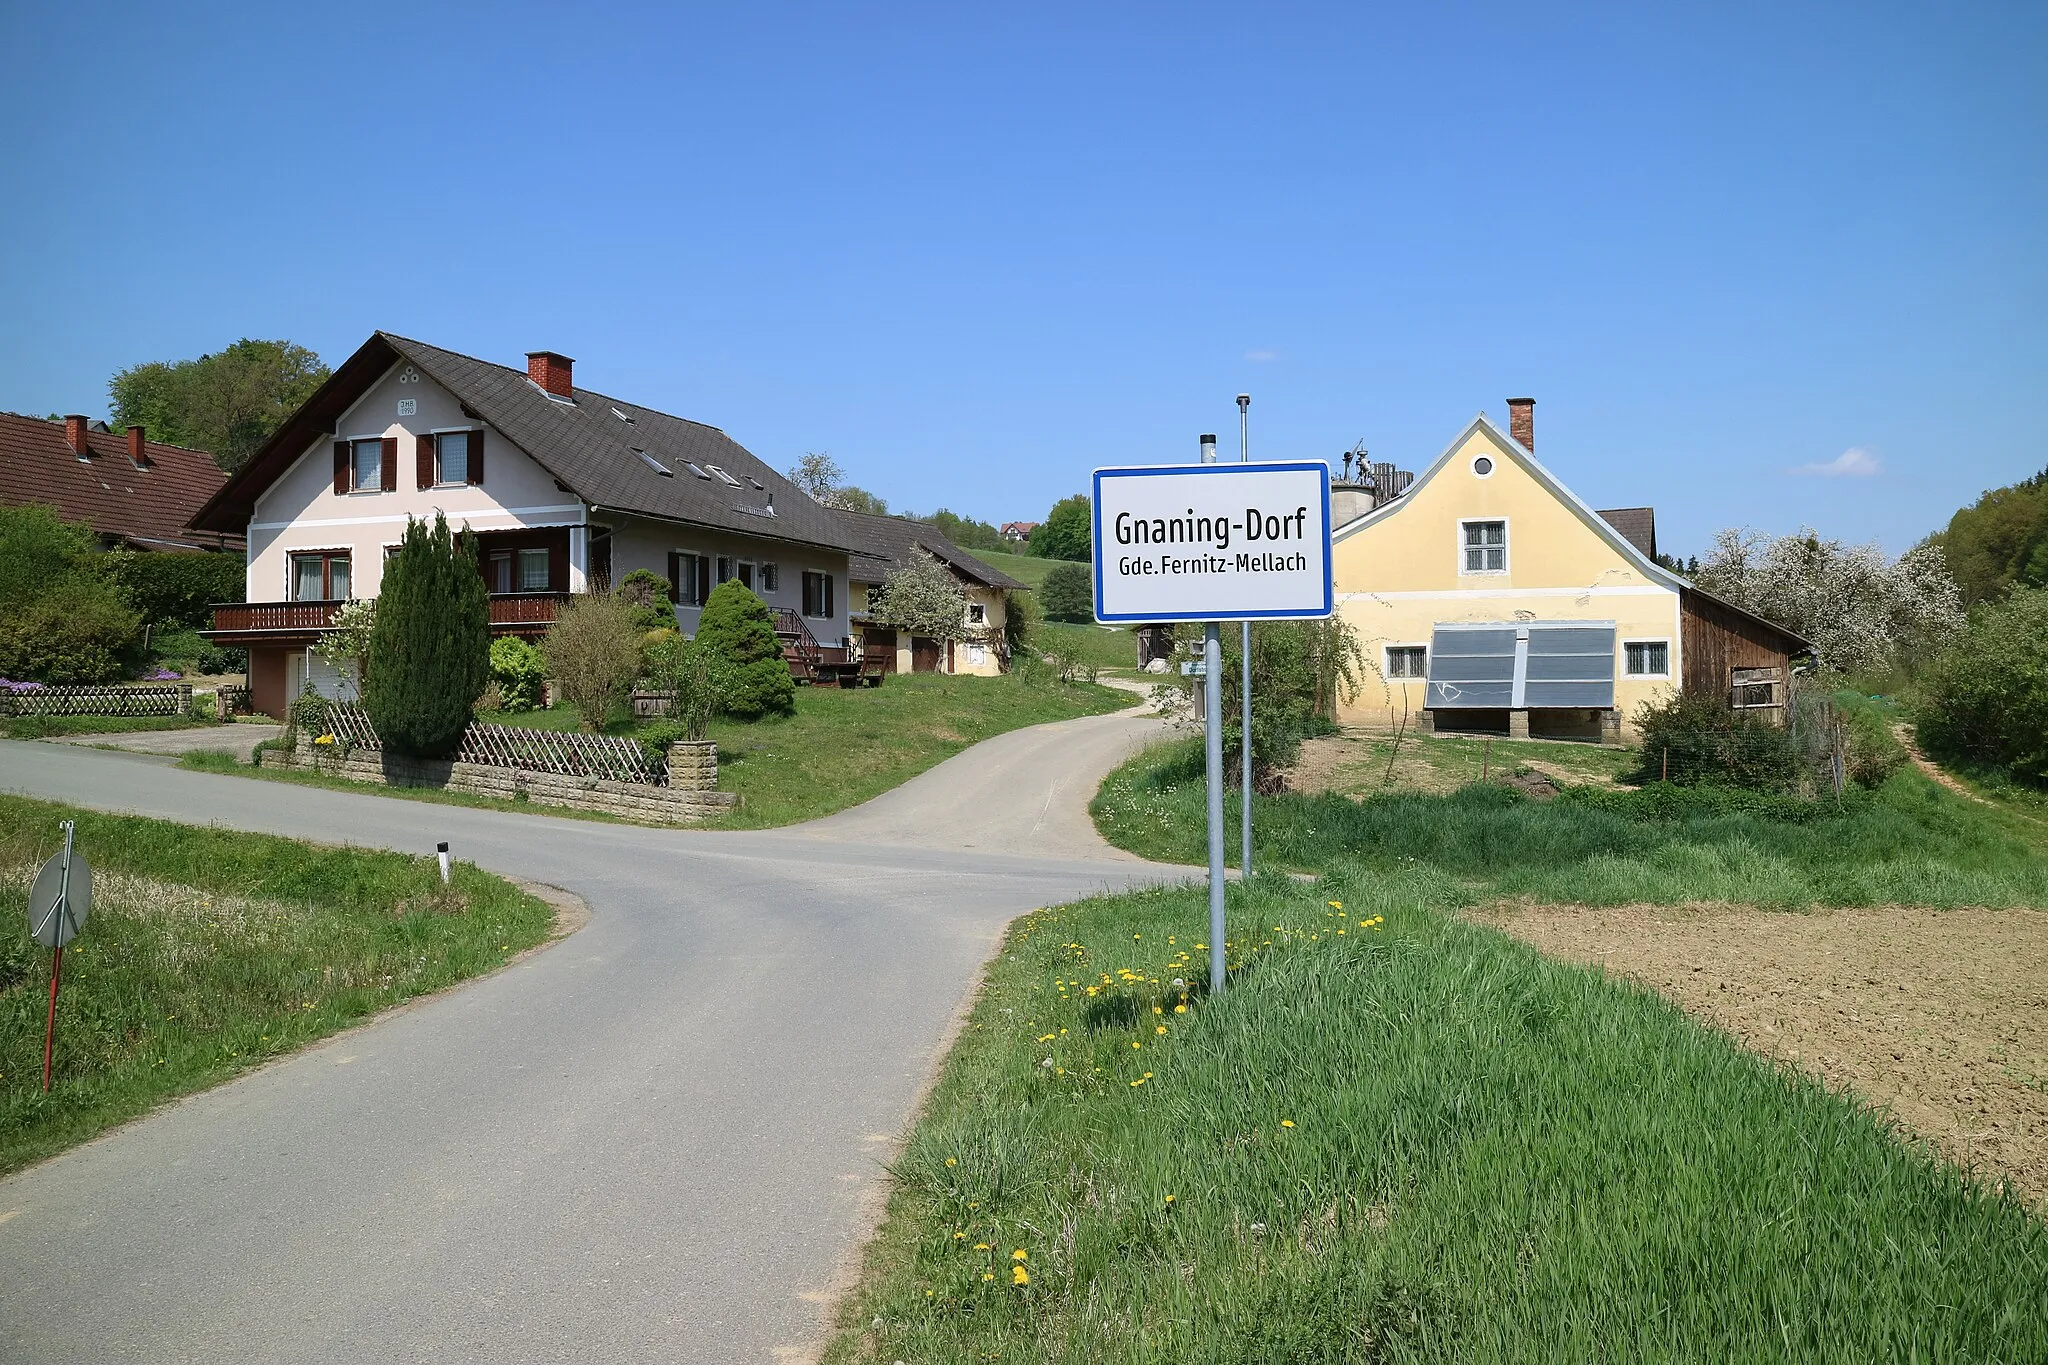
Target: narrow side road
<point x="651" y="1142"/>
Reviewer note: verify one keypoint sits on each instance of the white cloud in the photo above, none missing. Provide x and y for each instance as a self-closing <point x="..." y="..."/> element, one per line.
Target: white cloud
<point x="1261" y="355"/>
<point x="1854" y="463"/>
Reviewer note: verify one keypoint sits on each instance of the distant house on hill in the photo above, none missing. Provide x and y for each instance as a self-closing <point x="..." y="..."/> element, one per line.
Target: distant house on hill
<point x="566" y="489"/>
<point x="132" y="491"/>
<point x="1493" y="599"/>
<point x="882" y="546"/>
<point x="1017" y="532"/>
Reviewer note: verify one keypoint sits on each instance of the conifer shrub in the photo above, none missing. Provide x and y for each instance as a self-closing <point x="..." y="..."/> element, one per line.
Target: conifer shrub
<point x="520" y="673"/>
<point x="430" y="648"/>
<point x="736" y="627"/>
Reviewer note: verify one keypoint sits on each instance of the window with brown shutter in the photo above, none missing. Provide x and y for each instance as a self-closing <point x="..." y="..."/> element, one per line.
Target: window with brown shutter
<point x="390" y="464"/>
<point x="423" y="473"/>
<point x="341" y="466"/>
<point x="476" y="455"/>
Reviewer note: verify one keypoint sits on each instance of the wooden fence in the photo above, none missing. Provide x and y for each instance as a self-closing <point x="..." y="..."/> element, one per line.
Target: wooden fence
<point x="605" y="757"/>
<point x="167" y="700"/>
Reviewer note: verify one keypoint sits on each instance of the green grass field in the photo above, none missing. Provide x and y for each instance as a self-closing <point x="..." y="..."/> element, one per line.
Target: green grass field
<point x="843" y="747"/>
<point x="1908" y="843"/>
<point x="208" y="952"/>
<point x="1026" y="569"/>
<point x="1402" y="1137"/>
<point x="1095" y="646"/>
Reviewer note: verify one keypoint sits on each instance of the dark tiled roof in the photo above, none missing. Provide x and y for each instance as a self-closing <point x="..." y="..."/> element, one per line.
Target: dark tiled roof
<point x="589" y="449"/>
<point x="148" y="508"/>
<point x="881" y="545"/>
<point x="1638" y="526"/>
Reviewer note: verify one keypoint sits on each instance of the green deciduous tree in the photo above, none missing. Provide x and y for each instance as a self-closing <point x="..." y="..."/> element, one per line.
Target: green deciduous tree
<point x="178" y="589"/>
<point x="1068" y="531"/>
<point x="1999" y="540"/>
<point x="430" y="644"/>
<point x="735" y="626"/>
<point x="63" y="617"/>
<point x="593" y="653"/>
<point x="923" y="598"/>
<point x="1985" y="699"/>
<point x="965" y="532"/>
<point x="227" y="402"/>
<point x="1068" y="593"/>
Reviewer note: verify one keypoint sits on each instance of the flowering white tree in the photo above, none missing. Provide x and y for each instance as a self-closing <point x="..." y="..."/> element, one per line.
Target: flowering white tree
<point x="923" y="598"/>
<point x="1861" y="609"/>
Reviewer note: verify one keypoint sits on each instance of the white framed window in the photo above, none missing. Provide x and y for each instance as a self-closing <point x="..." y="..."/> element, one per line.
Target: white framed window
<point x="366" y="465"/>
<point x="1482" y="467"/>
<point x="1482" y="547"/>
<point x="977" y="614"/>
<point x="451" y="457"/>
<point x="818" y="604"/>
<point x="1407" y="661"/>
<point x="533" y="570"/>
<point x="1646" y="658"/>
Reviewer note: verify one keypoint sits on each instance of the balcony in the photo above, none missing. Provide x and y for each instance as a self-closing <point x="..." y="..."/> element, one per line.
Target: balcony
<point x="237" y="624"/>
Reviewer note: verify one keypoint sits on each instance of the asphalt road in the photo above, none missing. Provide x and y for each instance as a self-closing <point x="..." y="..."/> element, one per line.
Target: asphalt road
<point x="659" y="1140"/>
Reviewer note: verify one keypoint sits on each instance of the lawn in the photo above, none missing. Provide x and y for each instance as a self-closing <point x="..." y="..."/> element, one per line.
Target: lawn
<point x="1400" y="1136"/>
<point x="843" y="747"/>
<point x="1099" y="647"/>
<point x="208" y="952"/>
<point x="1029" y="570"/>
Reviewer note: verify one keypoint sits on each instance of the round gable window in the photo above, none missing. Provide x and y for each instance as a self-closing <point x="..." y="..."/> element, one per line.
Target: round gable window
<point x="1482" y="466"/>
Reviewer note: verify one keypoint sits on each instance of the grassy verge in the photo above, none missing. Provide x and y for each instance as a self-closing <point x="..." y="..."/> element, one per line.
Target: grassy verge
<point x="1402" y="1137"/>
<point x="208" y="952"/>
<point x="843" y="747"/>
<point x="51" y="727"/>
<point x="1907" y="843"/>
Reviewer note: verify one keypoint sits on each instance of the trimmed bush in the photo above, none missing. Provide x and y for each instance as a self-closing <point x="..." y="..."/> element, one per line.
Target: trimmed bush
<point x="735" y="626"/>
<point x="1068" y="593"/>
<point x="520" y="672"/>
<point x="646" y="592"/>
<point x="1985" y="698"/>
<point x="63" y="619"/>
<point x="431" y="644"/>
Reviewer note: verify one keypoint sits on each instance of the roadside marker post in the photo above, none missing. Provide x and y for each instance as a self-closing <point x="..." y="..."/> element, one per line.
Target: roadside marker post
<point x="57" y="906"/>
<point x="1213" y="543"/>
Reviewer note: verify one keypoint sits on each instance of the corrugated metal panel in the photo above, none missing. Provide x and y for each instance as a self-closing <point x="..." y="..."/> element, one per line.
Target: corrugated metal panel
<point x="1516" y="666"/>
<point x="1471" y="667"/>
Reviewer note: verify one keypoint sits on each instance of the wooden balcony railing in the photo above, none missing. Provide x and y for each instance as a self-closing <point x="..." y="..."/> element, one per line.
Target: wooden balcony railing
<point x="508" y="609"/>
<point x="270" y="616"/>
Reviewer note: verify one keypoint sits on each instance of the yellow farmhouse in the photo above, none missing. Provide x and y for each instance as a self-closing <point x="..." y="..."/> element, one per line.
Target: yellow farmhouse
<point x="1490" y="598"/>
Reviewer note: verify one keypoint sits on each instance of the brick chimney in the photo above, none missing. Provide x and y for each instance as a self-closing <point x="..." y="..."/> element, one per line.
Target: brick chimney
<point x="74" y="436"/>
<point x="1522" y="422"/>
<point x="137" y="455"/>
<point x="550" y="371"/>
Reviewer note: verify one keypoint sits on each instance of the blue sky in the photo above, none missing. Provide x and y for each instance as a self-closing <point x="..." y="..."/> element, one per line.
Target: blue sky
<point x="973" y="252"/>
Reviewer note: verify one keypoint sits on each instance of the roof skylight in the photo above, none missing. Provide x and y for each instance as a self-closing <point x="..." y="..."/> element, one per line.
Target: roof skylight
<point x="656" y="465"/>
<point x="723" y="475"/>
<point x="691" y="465"/>
<point x="623" y="417"/>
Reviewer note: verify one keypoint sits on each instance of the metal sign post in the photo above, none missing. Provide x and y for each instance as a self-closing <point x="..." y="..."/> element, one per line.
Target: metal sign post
<point x="1213" y="543"/>
<point x="1244" y="748"/>
<point x="57" y="906"/>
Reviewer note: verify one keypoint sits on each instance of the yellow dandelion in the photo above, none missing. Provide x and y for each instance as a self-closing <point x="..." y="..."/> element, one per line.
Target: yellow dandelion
<point x="981" y="1246"/>
<point x="952" y="1161"/>
<point x="988" y="1275"/>
<point x="1160" y="1029"/>
<point x="1287" y="1123"/>
<point x="1336" y="905"/>
<point x="1169" y="1199"/>
<point x="1020" y="1254"/>
<point x="1135" y="1084"/>
<point x="1135" y="1043"/>
<point x="959" y="1236"/>
<point x="1181" y="1009"/>
<point x="1019" y="1275"/>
